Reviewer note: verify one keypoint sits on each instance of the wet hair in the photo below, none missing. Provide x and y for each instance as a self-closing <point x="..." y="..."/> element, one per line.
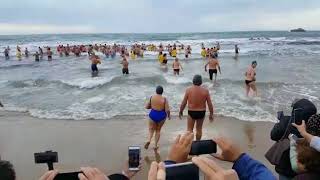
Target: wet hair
<point x="7" y="171"/>
<point x="197" y="80"/>
<point x="308" y="156"/>
<point x="159" y="90"/>
<point x="165" y="54"/>
<point x="254" y="62"/>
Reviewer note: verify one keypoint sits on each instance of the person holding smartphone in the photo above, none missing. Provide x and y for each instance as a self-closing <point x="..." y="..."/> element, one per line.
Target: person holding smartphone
<point x="244" y="166"/>
<point x="196" y="97"/>
<point x="159" y="112"/>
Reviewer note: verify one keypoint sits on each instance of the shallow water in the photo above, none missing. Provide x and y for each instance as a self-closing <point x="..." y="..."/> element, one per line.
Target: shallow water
<point x="64" y="88"/>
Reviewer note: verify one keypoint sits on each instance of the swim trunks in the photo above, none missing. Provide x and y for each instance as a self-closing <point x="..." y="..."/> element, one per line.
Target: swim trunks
<point x="94" y="67"/>
<point x="195" y="115"/>
<point x="248" y="82"/>
<point x="125" y="71"/>
<point x="211" y="72"/>
<point x="165" y="61"/>
<point x="177" y="71"/>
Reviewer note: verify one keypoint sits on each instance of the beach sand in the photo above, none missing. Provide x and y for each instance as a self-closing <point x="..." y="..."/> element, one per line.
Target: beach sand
<point x="104" y="143"/>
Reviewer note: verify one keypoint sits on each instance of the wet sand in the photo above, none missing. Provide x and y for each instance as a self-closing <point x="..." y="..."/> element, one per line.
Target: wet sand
<point x="104" y="143"/>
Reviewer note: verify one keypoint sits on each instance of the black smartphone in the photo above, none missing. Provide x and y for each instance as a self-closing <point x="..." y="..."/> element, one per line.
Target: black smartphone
<point x="203" y="147"/>
<point x="183" y="171"/>
<point x="298" y="116"/>
<point x="134" y="158"/>
<point x="67" y="176"/>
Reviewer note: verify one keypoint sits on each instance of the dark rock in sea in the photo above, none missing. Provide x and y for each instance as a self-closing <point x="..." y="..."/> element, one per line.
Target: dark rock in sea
<point x="298" y="30"/>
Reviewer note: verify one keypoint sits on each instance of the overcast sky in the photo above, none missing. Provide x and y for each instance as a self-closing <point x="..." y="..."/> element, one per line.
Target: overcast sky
<point x="143" y="16"/>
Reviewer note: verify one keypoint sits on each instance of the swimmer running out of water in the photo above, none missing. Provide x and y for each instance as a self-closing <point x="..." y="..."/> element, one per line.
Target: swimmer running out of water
<point x="176" y="67"/>
<point x="125" y="66"/>
<point x="251" y="78"/>
<point x="213" y="66"/>
<point x="159" y="112"/>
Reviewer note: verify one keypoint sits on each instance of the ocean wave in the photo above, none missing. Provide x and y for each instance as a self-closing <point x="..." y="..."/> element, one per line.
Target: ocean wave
<point x="304" y="43"/>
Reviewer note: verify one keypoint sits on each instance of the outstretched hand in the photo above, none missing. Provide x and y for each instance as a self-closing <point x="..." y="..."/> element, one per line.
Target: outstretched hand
<point x="213" y="171"/>
<point x="301" y="128"/>
<point x="180" y="150"/>
<point x="230" y="151"/>
<point x="49" y="175"/>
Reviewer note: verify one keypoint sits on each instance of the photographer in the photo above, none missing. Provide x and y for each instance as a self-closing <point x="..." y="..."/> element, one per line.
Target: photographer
<point x="244" y="166"/>
<point x="281" y="132"/>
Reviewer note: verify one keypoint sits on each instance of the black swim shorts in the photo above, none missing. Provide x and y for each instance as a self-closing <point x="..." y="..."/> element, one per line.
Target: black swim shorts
<point x="195" y="115"/>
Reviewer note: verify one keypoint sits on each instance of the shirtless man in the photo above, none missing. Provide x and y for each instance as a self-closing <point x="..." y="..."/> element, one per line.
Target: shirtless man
<point x="176" y="67"/>
<point x="251" y="78"/>
<point x="196" y="97"/>
<point x="213" y="66"/>
<point x="49" y="53"/>
<point x="125" y="66"/>
<point x="94" y="61"/>
<point x="1" y="105"/>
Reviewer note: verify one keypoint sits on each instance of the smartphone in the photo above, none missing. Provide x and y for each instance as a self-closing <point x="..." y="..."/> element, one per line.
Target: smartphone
<point x="67" y="176"/>
<point x="134" y="158"/>
<point x="203" y="147"/>
<point x="183" y="171"/>
<point x="298" y="116"/>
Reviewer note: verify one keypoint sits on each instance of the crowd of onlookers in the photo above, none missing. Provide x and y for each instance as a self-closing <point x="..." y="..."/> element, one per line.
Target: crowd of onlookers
<point x="298" y="159"/>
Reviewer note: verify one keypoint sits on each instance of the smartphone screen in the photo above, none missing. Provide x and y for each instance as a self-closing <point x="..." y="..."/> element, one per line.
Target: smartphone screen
<point x="67" y="176"/>
<point x="203" y="147"/>
<point x="134" y="158"/>
<point x="298" y="116"/>
<point x="183" y="171"/>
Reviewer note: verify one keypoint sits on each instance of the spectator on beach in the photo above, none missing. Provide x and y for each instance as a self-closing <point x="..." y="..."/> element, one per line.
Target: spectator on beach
<point x="159" y="112"/>
<point x="284" y="128"/>
<point x="244" y="167"/>
<point x="7" y="171"/>
<point x="196" y="97"/>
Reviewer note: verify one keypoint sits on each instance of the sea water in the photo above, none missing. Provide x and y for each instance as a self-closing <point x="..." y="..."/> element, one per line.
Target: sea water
<point x="288" y="68"/>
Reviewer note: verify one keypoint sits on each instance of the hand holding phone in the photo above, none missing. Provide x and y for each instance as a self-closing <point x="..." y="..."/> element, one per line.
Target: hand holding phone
<point x="68" y="176"/>
<point x="298" y="116"/>
<point x="134" y="158"/>
<point x="182" y="171"/>
<point x="203" y="147"/>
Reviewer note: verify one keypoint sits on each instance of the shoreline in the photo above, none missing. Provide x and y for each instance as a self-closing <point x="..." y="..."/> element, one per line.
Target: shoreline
<point x="104" y="144"/>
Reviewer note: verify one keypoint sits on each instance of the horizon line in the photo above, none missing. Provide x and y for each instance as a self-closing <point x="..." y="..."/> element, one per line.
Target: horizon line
<point x="27" y="34"/>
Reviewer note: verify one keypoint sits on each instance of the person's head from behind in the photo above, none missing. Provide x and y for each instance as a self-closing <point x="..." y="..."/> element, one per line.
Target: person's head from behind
<point x="308" y="158"/>
<point x="159" y="90"/>
<point x="7" y="171"/>
<point x="197" y="80"/>
<point x="176" y="59"/>
<point x="254" y="64"/>
<point x="165" y="54"/>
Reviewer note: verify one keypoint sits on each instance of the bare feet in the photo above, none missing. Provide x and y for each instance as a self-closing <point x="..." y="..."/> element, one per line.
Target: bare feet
<point x="146" y="146"/>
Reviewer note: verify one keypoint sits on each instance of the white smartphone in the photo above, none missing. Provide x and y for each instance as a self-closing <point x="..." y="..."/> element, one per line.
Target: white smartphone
<point x="183" y="171"/>
<point x="134" y="158"/>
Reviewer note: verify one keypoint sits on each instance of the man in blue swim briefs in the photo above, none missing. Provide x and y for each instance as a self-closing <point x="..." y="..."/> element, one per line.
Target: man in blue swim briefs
<point x="160" y="110"/>
<point x="196" y="97"/>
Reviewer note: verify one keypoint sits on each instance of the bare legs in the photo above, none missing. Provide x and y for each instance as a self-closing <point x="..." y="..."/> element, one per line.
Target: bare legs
<point x="252" y="86"/>
<point x="154" y="128"/>
<point x="198" y="123"/>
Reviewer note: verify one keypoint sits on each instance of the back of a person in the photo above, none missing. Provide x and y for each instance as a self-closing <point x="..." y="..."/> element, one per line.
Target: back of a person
<point x="197" y="98"/>
<point x="158" y="102"/>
